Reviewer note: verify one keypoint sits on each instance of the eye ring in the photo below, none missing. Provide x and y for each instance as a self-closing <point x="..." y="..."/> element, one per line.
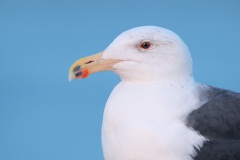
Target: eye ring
<point x="145" y="45"/>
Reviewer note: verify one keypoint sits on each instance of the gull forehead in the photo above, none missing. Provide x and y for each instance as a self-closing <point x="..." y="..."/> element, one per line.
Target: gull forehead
<point x="148" y="33"/>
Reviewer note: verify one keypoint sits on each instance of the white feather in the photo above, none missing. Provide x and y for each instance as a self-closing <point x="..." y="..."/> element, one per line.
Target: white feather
<point x="144" y="118"/>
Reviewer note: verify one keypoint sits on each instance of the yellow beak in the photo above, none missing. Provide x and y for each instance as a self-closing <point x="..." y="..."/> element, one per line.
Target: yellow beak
<point x="91" y="64"/>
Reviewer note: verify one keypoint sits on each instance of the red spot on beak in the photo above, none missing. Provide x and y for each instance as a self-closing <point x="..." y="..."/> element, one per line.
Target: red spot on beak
<point x="85" y="73"/>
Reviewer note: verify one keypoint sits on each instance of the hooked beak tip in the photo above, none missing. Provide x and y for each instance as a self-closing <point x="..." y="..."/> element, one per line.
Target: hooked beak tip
<point x="71" y="76"/>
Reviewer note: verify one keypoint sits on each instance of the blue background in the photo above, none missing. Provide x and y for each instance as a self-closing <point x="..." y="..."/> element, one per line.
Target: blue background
<point x="42" y="115"/>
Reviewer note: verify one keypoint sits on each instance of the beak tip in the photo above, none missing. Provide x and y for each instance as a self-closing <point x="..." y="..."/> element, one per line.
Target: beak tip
<point x="71" y="76"/>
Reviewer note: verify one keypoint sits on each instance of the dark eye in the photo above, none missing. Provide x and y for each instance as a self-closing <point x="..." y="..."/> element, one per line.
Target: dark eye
<point x="145" y="45"/>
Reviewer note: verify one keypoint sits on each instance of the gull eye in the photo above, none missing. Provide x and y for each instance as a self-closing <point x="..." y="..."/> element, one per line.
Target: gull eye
<point x="145" y="45"/>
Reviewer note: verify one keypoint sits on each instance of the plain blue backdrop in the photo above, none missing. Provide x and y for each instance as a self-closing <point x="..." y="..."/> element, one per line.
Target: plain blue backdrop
<point x="42" y="115"/>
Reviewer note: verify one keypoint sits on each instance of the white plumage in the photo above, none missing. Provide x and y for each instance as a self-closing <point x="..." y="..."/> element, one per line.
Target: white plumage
<point x="144" y="118"/>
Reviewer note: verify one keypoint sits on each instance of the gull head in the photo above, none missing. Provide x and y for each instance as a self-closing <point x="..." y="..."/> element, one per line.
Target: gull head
<point x="141" y="54"/>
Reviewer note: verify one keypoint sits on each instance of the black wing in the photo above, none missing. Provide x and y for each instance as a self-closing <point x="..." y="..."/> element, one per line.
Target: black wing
<point x="219" y="121"/>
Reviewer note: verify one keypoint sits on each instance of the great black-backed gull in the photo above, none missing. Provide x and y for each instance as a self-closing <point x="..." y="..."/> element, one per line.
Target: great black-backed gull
<point x="158" y="111"/>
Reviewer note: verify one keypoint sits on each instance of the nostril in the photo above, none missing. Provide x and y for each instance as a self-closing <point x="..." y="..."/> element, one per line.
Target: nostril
<point x="76" y="68"/>
<point x="88" y="62"/>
